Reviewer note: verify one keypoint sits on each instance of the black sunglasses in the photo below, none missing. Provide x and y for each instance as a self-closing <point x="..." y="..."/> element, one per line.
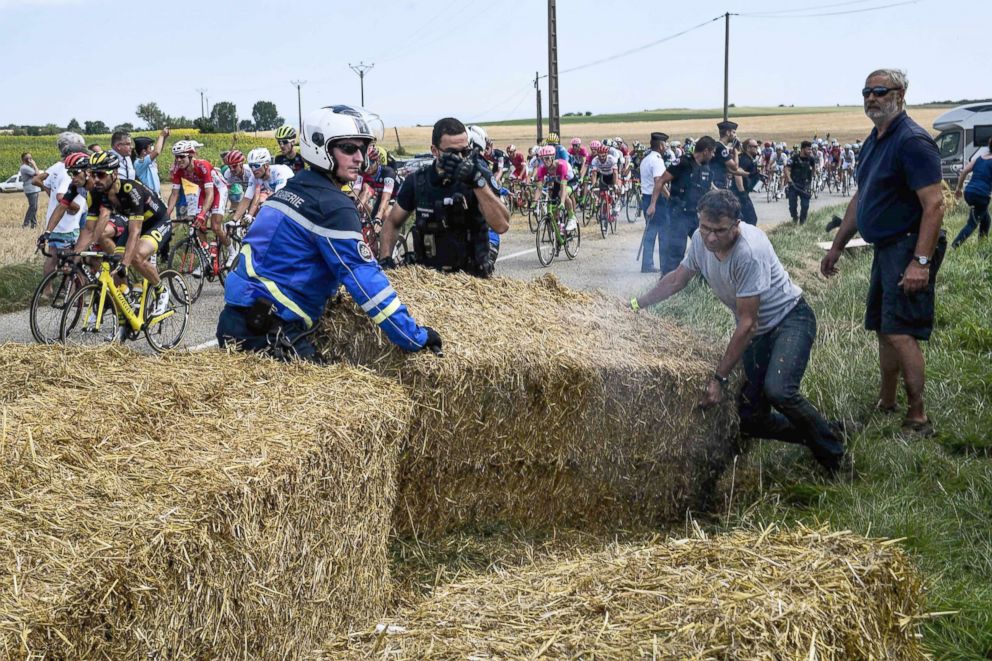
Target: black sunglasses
<point x="454" y="151"/>
<point x="285" y="142"/>
<point x="348" y="148"/>
<point x="879" y="91"/>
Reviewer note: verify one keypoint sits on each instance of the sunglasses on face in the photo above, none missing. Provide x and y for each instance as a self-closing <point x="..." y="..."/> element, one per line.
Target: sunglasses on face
<point x="285" y="142"/>
<point x="348" y="148"/>
<point x="879" y="91"/>
<point x="181" y="157"/>
<point x="454" y="151"/>
<point x="256" y="166"/>
<point x="101" y="175"/>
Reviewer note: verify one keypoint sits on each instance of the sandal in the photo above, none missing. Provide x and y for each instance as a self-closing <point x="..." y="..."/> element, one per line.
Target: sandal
<point x="894" y="408"/>
<point x="917" y="428"/>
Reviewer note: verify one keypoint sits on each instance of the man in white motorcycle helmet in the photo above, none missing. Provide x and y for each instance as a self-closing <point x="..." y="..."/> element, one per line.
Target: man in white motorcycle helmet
<point x="305" y="243"/>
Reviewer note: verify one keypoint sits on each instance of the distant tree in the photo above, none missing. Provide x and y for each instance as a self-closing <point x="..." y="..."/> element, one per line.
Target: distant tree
<point x="50" y="129"/>
<point x="93" y="128"/>
<point x="265" y="115"/>
<point x="224" y="116"/>
<point x="246" y="125"/>
<point x="181" y="122"/>
<point x="588" y="113"/>
<point x="126" y="126"/>
<point x="204" y="124"/>
<point x="152" y="115"/>
<point x="73" y="125"/>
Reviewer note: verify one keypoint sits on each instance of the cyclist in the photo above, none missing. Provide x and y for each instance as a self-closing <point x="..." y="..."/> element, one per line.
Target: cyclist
<point x="603" y="171"/>
<point x="378" y="182"/>
<point x="213" y="192"/>
<point x="555" y="173"/>
<point x="236" y="175"/>
<point x="288" y="155"/>
<point x="519" y="163"/>
<point x="577" y="154"/>
<point x="148" y="225"/>
<point x="263" y="180"/>
<point x="495" y="160"/>
<point x="847" y="163"/>
<point x="305" y="243"/>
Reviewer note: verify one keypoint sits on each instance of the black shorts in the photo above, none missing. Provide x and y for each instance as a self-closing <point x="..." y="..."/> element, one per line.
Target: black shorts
<point x="890" y="310"/>
<point x="157" y="232"/>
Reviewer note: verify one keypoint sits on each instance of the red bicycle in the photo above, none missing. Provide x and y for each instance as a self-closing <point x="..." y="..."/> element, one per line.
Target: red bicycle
<point x="605" y="211"/>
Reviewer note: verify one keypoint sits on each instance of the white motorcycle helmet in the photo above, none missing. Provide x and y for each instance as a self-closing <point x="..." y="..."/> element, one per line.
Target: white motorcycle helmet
<point x="259" y="156"/>
<point x="326" y="125"/>
<point x="477" y="137"/>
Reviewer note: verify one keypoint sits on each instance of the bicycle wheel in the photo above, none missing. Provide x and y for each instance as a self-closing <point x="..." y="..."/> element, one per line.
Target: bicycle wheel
<point x="633" y="206"/>
<point x="770" y="187"/>
<point x="187" y="259"/>
<point x="166" y="331"/>
<point x="79" y="325"/>
<point x="45" y="315"/>
<point x="546" y="240"/>
<point x="572" y="241"/>
<point x="604" y="217"/>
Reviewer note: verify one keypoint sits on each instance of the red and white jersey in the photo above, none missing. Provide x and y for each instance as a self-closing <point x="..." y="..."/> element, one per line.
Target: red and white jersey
<point x="603" y="166"/>
<point x="201" y="173"/>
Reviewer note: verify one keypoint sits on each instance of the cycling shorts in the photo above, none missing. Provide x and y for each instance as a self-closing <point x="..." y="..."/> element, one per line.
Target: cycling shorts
<point x="158" y="233"/>
<point x="220" y="200"/>
<point x="606" y="180"/>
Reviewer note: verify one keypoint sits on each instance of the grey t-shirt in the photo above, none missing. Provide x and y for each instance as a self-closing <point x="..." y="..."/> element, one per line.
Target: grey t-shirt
<point x="751" y="269"/>
<point x="27" y="172"/>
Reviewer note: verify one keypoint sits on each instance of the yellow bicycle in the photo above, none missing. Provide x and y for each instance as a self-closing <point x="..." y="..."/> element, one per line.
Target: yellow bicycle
<point x="102" y="311"/>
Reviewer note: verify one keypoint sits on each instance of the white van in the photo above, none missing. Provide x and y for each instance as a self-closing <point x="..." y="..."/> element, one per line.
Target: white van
<point x="964" y="133"/>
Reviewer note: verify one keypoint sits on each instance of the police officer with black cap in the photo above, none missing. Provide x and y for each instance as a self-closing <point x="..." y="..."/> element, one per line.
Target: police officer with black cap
<point x="727" y="172"/>
<point x="799" y="174"/>
<point x="683" y="185"/>
<point x="456" y="200"/>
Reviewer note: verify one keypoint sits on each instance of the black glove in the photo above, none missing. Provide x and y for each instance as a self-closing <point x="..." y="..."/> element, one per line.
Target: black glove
<point x="387" y="263"/>
<point x="433" y="341"/>
<point x="448" y="165"/>
<point x="466" y="170"/>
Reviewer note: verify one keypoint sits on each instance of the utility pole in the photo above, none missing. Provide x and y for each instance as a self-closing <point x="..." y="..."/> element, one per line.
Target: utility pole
<point x="299" y="102"/>
<point x="726" y="65"/>
<point x="540" y="127"/>
<point x="361" y="69"/>
<point x="553" y="110"/>
<point x="202" y="92"/>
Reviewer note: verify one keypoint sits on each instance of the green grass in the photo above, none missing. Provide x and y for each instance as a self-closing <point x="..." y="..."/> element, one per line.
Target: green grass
<point x="936" y="493"/>
<point x="17" y="285"/>
<point x="674" y="114"/>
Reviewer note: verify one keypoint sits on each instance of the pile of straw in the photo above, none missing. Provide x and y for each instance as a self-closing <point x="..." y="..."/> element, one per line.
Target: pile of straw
<point x="190" y="507"/>
<point x="549" y="406"/>
<point x="803" y="594"/>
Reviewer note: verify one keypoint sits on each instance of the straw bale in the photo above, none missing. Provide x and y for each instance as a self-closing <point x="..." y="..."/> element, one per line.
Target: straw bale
<point x="800" y="594"/>
<point x="549" y="406"/>
<point x="178" y="507"/>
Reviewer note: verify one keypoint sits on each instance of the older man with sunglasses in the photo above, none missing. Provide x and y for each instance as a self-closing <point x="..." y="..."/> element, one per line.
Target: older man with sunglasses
<point x="899" y="208"/>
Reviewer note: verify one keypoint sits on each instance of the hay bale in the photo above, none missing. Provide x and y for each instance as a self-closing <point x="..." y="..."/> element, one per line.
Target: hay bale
<point x="549" y="407"/>
<point x="180" y="507"/>
<point x="769" y="594"/>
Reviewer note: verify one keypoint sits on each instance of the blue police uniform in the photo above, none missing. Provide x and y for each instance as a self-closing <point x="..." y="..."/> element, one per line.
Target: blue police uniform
<point x="305" y="243"/>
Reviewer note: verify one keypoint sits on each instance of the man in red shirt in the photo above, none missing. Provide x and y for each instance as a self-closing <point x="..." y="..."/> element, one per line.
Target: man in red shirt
<point x="213" y="192"/>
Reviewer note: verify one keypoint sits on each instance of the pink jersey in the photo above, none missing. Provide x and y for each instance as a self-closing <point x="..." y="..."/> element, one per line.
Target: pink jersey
<point x="579" y="152"/>
<point x="560" y="171"/>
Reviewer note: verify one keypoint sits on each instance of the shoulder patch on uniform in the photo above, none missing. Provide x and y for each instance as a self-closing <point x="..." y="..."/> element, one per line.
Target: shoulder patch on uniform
<point x="724" y="153"/>
<point x="365" y="251"/>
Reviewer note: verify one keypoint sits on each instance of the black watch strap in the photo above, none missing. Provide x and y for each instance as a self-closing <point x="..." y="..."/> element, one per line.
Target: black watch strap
<point x="722" y="380"/>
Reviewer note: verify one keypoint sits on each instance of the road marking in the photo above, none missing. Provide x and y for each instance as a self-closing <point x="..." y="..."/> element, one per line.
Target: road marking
<point x="516" y="254"/>
<point x="206" y="345"/>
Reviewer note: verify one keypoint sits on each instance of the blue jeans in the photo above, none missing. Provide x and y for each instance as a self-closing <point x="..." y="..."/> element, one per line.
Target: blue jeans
<point x="680" y="226"/>
<point x="774" y="364"/>
<point x="653" y="228"/>
<point x="978" y="218"/>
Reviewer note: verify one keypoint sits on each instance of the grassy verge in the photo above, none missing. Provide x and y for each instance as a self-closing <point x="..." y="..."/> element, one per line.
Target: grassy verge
<point x="935" y="493"/>
<point x="17" y="285"/>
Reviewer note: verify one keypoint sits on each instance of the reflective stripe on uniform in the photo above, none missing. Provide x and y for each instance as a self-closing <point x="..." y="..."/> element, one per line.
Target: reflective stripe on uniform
<point x="377" y="299"/>
<point x="273" y="288"/>
<point x="387" y="312"/>
<point x="295" y="215"/>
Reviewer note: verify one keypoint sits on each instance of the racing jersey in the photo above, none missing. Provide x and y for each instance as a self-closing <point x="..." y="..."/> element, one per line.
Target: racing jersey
<point x="133" y="200"/>
<point x="201" y="173"/>
<point x="382" y="180"/>
<point x="847" y="158"/>
<point x="560" y="172"/>
<point x="835" y="154"/>
<point x="295" y="162"/>
<point x="578" y="155"/>
<point x="277" y="178"/>
<point x="305" y="243"/>
<point x="496" y="160"/>
<point x="519" y="165"/>
<point x="231" y="178"/>
<point x="603" y="166"/>
<point x="779" y="160"/>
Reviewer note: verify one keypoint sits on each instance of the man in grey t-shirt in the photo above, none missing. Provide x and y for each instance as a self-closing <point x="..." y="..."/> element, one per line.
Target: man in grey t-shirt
<point x="27" y="172"/>
<point x="774" y="334"/>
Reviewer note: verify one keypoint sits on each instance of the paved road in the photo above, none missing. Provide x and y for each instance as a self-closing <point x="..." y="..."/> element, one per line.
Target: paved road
<point x="606" y="264"/>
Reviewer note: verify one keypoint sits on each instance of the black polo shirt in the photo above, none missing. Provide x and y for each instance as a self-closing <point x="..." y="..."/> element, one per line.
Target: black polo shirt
<point x="890" y="170"/>
<point x="718" y="166"/>
<point x="747" y="163"/>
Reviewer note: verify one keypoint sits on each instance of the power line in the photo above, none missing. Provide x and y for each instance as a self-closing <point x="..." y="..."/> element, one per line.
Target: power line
<point x="835" y="13"/>
<point x="802" y="9"/>
<point x="361" y="69"/>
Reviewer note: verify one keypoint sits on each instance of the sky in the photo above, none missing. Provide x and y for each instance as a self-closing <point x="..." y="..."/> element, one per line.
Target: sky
<point x="473" y="59"/>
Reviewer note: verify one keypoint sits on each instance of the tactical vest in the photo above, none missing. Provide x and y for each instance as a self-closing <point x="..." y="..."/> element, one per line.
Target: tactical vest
<point x="449" y="233"/>
<point x="686" y="192"/>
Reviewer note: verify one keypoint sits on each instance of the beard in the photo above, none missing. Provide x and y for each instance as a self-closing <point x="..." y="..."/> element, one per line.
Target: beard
<point x="883" y="109"/>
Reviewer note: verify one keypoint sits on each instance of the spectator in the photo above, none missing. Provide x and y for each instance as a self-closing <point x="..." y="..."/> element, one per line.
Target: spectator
<point x="652" y="169"/>
<point x="95" y="148"/>
<point x="976" y="196"/>
<point x="749" y="163"/>
<point x="774" y="334"/>
<point x="147" y="151"/>
<point x="121" y="144"/>
<point x="28" y="171"/>
<point x="899" y="208"/>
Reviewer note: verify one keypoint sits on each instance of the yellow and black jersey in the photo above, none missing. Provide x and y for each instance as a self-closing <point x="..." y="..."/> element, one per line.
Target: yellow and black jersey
<point x="132" y="200"/>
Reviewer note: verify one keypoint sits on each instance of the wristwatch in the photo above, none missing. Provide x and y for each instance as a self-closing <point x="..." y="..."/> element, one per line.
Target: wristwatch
<point x="921" y="260"/>
<point x="722" y="380"/>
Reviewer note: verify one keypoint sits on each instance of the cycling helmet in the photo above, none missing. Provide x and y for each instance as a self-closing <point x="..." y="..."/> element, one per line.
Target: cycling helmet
<point x="374" y="154"/>
<point x="553" y="138"/>
<point x="595" y="145"/>
<point x="259" y="156"/>
<point x="603" y="149"/>
<point x="104" y="161"/>
<point x="576" y="142"/>
<point x="285" y="132"/>
<point x="76" y="161"/>
<point x="184" y="148"/>
<point x="834" y="142"/>
<point x="847" y="146"/>
<point x="477" y="137"/>
<point x="675" y="143"/>
<point x="233" y="157"/>
<point x="545" y="151"/>
<point x="324" y="126"/>
<point x="511" y="148"/>
<point x="618" y="140"/>
<point x="66" y="140"/>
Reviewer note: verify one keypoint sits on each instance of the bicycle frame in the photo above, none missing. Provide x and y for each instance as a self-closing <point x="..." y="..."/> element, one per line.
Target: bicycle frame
<point x="120" y="303"/>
